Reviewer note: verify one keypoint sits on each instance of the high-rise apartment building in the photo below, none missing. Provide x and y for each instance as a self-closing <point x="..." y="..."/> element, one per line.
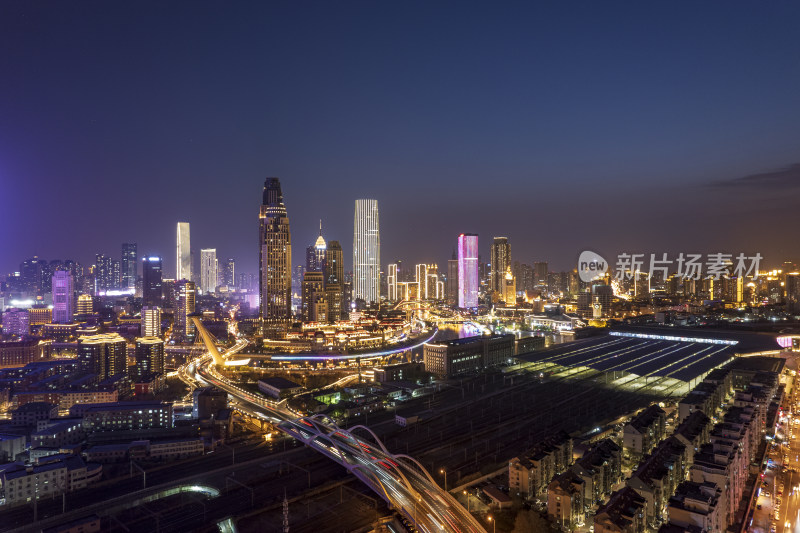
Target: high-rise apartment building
<point x="500" y="261"/>
<point x="366" y="251"/>
<point x="128" y="266"/>
<point x="391" y="282"/>
<point x="184" y="306"/>
<point x="183" y="270"/>
<point x="208" y="270"/>
<point x="103" y="355"/>
<point x="104" y="279"/>
<point x="151" y="280"/>
<point x="149" y="357"/>
<point x="63" y="297"/>
<point x="468" y="279"/>
<point x="151" y="321"/>
<point x="229" y="277"/>
<point x="274" y="261"/>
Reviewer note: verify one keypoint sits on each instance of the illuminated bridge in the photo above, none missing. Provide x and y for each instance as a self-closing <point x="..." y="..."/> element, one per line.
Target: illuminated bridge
<point x="398" y="479"/>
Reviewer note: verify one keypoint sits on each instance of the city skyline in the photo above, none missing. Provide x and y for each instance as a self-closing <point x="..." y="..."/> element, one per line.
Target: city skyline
<point x="572" y="129"/>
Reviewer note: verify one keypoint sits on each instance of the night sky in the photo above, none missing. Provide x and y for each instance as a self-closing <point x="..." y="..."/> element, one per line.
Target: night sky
<point x="638" y="126"/>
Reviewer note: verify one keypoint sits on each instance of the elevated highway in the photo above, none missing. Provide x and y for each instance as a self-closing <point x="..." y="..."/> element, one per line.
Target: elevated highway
<point x="399" y="480"/>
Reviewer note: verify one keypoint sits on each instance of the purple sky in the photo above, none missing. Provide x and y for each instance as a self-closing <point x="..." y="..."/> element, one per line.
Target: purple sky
<point x="615" y="127"/>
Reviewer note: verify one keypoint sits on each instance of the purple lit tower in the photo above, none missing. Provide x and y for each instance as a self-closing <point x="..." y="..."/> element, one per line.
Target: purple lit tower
<point x="468" y="280"/>
<point x="63" y="293"/>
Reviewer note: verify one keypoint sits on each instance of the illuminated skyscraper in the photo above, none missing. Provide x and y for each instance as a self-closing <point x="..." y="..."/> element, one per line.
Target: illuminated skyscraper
<point x="183" y="269"/>
<point x="501" y="260"/>
<point x="128" y="265"/>
<point x="151" y="281"/>
<point x="391" y="282"/>
<point x="274" y="260"/>
<point x="103" y="274"/>
<point x="184" y="327"/>
<point x="316" y="254"/>
<point x="63" y="297"/>
<point x="468" y="280"/>
<point x="208" y="270"/>
<point x="366" y="251"/>
<point x="229" y="278"/>
<point x="151" y="321"/>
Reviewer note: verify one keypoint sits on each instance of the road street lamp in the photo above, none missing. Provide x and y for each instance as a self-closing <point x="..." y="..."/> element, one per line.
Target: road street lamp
<point x="443" y="471"/>
<point x="467" y="495"/>
<point x="494" y="523"/>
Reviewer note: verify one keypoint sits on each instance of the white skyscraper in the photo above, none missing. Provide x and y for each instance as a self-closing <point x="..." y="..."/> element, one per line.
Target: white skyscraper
<point x="366" y="251"/>
<point x="208" y="270"/>
<point x="184" y="256"/>
<point x="151" y="321"/>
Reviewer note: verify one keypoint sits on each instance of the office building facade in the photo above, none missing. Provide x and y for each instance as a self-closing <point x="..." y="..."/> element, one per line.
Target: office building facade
<point x="128" y="266"/>
<point x="468" y="279"/>
<point x="63" y="297"/>
<point x="184" y="306"/>
<point x="366" y="251"/>
<point x="208" y="270"/>
<point x="151" y="281"/>
<point x="183" y="269"/>
<point x="500" y="260"/>
<point x="274" y="261"/>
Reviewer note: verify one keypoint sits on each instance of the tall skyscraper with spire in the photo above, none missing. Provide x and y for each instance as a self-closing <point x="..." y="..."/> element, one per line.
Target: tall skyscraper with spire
<point x="366" y="251"/>
<point x="274" y="261"/>
<point x="183" y="270"/>
<point x="316" y="254"/>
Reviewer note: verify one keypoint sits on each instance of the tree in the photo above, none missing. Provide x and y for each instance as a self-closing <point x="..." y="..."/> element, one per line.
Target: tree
<point x="530" y="522"/>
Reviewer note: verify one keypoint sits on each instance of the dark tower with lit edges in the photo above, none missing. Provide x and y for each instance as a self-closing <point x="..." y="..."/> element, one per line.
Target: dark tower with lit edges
<point x="274" y="262"/>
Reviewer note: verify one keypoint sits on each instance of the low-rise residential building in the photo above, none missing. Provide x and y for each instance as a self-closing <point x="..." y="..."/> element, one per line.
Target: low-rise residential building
<point x="11" y="445"/>
<point x="657" y="477"/>
<point x="31" y="413"/>
<point x="528" y="475"/>
<point x="600" y="468"/>
<point x="118" y="416"/>
<point x="697" y="504"/>
<point x="565" y="503"/>
<point x="20" y="483"/>
<point x="624" y="513"/>
<point x="644" y="431"/>
<point x="693" y="432"/>
<point x="58" y="432"/>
